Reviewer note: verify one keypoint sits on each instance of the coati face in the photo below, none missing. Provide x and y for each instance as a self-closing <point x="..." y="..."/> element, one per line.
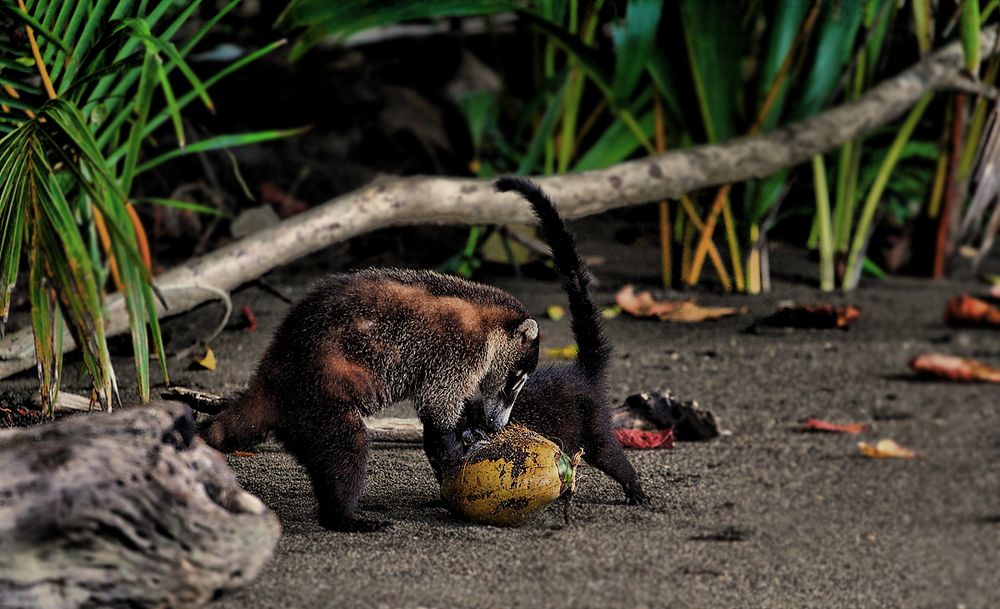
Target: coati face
<point x="519" y="362"/>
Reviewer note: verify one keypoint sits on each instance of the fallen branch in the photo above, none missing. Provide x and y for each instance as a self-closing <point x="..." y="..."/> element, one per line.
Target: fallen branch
<point x="388" y="429"/>
<point x="380" y="429"/>
<point x="425" y="200"/>
<point x="124" y="510"/>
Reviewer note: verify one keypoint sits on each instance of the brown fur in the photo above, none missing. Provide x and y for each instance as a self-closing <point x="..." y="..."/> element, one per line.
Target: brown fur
<point x="362" y="341"/>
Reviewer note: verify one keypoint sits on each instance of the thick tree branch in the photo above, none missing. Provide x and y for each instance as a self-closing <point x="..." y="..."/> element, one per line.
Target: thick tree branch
<point x="426" y="200"/>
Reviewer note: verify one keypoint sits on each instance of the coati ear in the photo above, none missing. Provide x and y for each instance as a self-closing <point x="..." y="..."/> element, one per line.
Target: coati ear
<point x="527" y="331"/>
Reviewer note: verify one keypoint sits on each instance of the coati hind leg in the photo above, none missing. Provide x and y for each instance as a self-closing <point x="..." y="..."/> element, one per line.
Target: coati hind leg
<point x="334" y="451"/>
<point x="608" y="456"/>
<point x="242" y="423"/>
<point x="323" y="428"/>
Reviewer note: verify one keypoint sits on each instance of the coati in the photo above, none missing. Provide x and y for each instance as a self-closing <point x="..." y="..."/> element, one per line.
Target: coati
<point x="568" y="403"/>
<point x="362" y="341"/>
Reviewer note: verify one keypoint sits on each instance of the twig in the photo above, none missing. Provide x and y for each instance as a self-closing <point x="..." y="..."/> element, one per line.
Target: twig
<point x="380" y="429"/>
<point x="964" y="83"/>
<point x="200" y="401"/>
<point x="219" y="293"/>
<point x="273" y="291"/>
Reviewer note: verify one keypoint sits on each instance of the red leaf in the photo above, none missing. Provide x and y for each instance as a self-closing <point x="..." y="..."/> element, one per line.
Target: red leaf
<point x="638" y="438"/>
<point x="821" y="425"/>
<point x="965" y="310"/>
<point x="250" y="318"/>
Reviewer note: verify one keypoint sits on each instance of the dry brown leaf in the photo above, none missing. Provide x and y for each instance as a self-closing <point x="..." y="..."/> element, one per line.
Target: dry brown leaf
<point x="954" y="368"/>
<point x="642" y="304"/>
<point x="885" y="449"/>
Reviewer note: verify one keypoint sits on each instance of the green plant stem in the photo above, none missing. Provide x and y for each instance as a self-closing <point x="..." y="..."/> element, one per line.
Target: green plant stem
<point x="571" y="111"/>
<point x="826" y="263"/>
<point x="848" y="161"/>
<point x="636" y="129"/>
<point x="855" y="256"/>
<point x="848" y="168"/>
<point x="921" y="23"/>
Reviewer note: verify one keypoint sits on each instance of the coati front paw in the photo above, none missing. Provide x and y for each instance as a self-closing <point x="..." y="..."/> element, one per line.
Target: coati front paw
<point x="472" y="438"/>
<point x="355" y="525"/>
<point x="635" y="496"/>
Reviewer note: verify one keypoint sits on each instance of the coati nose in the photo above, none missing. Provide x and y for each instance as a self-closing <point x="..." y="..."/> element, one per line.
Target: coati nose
<point x="493" y="419"/>
<point x="500" y="416"/>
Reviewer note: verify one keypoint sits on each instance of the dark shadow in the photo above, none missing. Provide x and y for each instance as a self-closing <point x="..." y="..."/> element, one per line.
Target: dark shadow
<point x="728" y="534"/>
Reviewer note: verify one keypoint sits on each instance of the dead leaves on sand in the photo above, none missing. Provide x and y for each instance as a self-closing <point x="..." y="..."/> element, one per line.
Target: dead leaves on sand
<point x="954" y="368"/>
<point x="885" y="449"/>
<point x="819" y="425"/>
<point x="642" y="304"/>
<point x="966" y="310"/>
<point x="814" y="316"/>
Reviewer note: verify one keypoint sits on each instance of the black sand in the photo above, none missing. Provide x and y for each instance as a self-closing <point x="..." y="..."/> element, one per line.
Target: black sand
<point x="767" y="517"/>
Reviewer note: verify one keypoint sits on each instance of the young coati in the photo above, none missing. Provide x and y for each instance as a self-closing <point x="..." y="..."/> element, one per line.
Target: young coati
<point x="568" y="403"/>
<point x="362" y="341"/>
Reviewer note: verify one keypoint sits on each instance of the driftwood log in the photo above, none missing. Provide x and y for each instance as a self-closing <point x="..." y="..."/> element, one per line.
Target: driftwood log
<point x="124" y="510"/>
<point x="425" y="200"/>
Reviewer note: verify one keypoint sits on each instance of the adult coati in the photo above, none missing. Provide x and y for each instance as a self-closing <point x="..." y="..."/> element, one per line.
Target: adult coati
<point x="361" y="341"/>
<point x="568" y="403"/>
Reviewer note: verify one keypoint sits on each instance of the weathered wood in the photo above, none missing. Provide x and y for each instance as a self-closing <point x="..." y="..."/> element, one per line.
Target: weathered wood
<point x="380" y="429"/>
<point x="388" y="429"/>
<point x="421" y="199"/>
<point x="202" y="401"/>
<point x="124" y="510"/>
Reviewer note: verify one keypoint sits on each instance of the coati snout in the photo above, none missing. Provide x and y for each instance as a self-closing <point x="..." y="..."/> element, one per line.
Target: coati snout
<point x="497" y="408"/>
<point x="362" y="341"/>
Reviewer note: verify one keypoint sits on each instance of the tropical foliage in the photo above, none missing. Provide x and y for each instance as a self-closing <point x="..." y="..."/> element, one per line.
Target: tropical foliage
<point x="677" y="73"/>
<point x="86" y="85"/>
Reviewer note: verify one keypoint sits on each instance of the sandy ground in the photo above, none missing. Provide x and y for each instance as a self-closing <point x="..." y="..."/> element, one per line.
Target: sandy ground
<point x="767" y="517"/>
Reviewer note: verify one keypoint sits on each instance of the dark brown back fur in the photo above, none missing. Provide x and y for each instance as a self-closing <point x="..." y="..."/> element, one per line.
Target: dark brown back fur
<point x="360" y="342"/>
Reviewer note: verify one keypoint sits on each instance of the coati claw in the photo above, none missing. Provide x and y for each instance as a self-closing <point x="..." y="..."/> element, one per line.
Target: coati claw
<point x="636" y="497"/>
<point x="473" y="437"/>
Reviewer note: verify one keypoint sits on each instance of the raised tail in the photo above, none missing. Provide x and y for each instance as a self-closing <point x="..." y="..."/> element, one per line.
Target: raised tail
<point x="594" y="351"/>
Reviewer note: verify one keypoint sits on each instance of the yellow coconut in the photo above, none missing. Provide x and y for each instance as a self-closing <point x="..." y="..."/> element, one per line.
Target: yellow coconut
<point x="513" y="475"/>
